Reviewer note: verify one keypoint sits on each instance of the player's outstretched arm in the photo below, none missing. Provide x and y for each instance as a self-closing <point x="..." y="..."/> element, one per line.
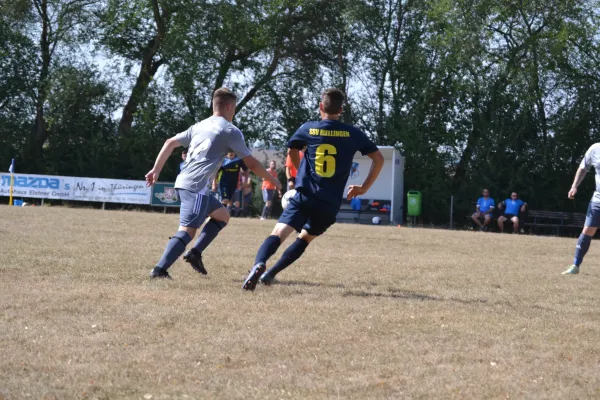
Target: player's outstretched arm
<point x="376" y="165"/>
<point x="170" y="145"/>
<point x="579" y="175"/>
<point x="255" y="166"/>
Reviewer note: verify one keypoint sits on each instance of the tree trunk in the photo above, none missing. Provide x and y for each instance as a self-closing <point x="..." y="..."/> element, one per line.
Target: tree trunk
<point x="148" y="69"/>
<point x="145" y="76"/>
<point x="262" y="81"/>
<point x="40" y="133"/>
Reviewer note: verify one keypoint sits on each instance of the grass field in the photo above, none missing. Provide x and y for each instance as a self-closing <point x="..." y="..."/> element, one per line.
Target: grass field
<point x="368" y="312"/>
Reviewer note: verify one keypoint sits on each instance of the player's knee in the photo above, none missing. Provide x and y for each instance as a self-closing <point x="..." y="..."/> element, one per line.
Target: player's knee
<point x="589" y="230"/>
<point x="304" y="235"/>
<point x="282" y="231"/>
<point x="185" y="232"/>
<point x="218" y="223"/>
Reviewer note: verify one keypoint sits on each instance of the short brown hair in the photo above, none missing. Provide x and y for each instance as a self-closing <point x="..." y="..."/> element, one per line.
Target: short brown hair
<point x="223" y="96"/>
<point x="333" y="100"/>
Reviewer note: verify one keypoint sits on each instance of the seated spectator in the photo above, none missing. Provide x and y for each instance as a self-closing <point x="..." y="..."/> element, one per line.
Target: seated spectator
<point x="484" y="209"/>
<point x="512" y="208"/>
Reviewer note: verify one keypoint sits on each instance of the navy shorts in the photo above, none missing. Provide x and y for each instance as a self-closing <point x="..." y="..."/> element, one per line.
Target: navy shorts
<point x="195" y="207"/>
<point x="592" y="219"/>
<point x="268" y="194"/>
<point x="308" y="213"/>
<point x="226" y="191"/>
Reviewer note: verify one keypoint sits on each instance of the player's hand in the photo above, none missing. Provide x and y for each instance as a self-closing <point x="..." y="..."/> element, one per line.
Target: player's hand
<point x="572" y="193"/>
<point x="278" y="185"/>
<point x="151" y="177"/>
<point x="355" y="190"/>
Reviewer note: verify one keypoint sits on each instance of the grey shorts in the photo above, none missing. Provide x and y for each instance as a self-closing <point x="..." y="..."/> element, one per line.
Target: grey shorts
<point x="195" y="207"/>
<point x="268" y="194"/>
<point x="592" y="219"/>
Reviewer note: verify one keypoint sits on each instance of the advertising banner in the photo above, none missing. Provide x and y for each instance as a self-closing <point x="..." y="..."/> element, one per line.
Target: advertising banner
<point x="165" y="195"/>
<point x="110" y="190"/>
<point x="37" y="186"/>
<point x="78" y="189"/>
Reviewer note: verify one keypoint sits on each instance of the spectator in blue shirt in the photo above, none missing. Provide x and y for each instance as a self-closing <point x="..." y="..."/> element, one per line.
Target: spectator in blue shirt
<point x="483" y="214"/>
<point x="512" y="208"/>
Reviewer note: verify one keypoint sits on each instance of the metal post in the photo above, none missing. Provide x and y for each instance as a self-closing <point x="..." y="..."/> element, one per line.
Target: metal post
<point x="164" y="210"/>
<point x="103" y="204"/>
<point x="42" y="202"/>
<point x="451" y="212"/>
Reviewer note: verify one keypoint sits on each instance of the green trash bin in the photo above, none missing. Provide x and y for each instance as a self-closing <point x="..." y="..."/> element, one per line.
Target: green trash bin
<point x="413" y="203"/>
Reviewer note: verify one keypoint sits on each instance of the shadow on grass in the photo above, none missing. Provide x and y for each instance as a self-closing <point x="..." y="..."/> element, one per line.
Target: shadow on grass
<point x="392" y="293"/>
<point x="310" y="284"/>
<point x="407" y="295"/>
<point x="305" y="284"/>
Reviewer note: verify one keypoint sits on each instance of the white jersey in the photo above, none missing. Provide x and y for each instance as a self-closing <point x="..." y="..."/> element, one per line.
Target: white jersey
<point x="592" y="159"/>
<point x="208" y="142"/>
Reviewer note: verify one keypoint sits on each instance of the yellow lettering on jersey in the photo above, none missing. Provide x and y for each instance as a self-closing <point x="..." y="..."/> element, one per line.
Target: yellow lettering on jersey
<point x="325" y="132"/>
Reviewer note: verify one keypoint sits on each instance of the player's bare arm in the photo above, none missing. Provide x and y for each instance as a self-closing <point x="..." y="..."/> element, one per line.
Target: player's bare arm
<point x="376" y="165"/>
<point x="295" y="157"/>
<point x="170" y="145"/>
<point x="255" y="166"/>
<point x="579" y="175"/>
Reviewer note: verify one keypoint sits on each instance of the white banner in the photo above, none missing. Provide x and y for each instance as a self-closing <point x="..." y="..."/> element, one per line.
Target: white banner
<point x="110" y="190"/>
<point x="72" y="188"/>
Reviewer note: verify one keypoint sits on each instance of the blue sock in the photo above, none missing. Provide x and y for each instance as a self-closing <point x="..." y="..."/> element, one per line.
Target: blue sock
<point x="583" y="245"/>
<point x="175" y="248"/>
<point x="209" y="233"/>
<point x="290" y="255"/>
<point x="267" y="249"/>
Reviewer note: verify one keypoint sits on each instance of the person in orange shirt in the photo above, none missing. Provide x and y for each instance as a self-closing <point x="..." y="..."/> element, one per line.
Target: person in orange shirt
<point x="268" y="190"/>
<point x="291" y="172"/>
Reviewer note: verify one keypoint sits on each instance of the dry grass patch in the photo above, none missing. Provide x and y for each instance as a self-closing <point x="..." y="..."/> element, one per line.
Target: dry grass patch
<point x="368" y="312"/>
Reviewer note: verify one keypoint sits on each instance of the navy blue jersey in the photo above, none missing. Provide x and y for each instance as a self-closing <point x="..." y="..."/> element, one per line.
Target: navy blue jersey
<point x="331" y="146"/>
<point x="230" y="170"/>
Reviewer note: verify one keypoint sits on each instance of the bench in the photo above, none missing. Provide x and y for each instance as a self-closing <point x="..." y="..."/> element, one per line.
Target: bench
<point x="368" y="210"/>
<point x="546" y="219"/>
<point x="555" y="220"/>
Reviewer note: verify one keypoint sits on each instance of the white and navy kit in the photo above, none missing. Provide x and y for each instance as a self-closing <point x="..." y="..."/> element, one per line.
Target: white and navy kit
<point x="592" y="159"/>
<point x="208" y="142"/>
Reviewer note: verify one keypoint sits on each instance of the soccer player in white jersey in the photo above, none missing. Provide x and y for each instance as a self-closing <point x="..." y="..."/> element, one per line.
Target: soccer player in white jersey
<point x="592" y="220"/>
<point x="208" y="142"/>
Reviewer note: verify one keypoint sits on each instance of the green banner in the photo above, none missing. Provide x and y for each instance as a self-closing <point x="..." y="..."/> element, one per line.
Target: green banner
<point x="164" y="195"/>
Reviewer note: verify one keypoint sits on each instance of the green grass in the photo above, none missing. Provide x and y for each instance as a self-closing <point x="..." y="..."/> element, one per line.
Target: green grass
<point x="367" y="312"/>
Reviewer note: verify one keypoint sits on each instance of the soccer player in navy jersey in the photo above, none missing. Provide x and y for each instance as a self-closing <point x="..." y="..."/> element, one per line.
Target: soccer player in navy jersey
<point x="230" y="175"/>
<point x="320" y="182"/>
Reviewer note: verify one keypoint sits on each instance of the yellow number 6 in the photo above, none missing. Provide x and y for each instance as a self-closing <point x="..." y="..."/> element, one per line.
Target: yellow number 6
<point x="325" y="160"/>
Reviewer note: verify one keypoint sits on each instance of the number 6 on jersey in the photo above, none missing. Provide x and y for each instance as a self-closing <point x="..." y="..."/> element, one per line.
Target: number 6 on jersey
<point x="325" y="160"/>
